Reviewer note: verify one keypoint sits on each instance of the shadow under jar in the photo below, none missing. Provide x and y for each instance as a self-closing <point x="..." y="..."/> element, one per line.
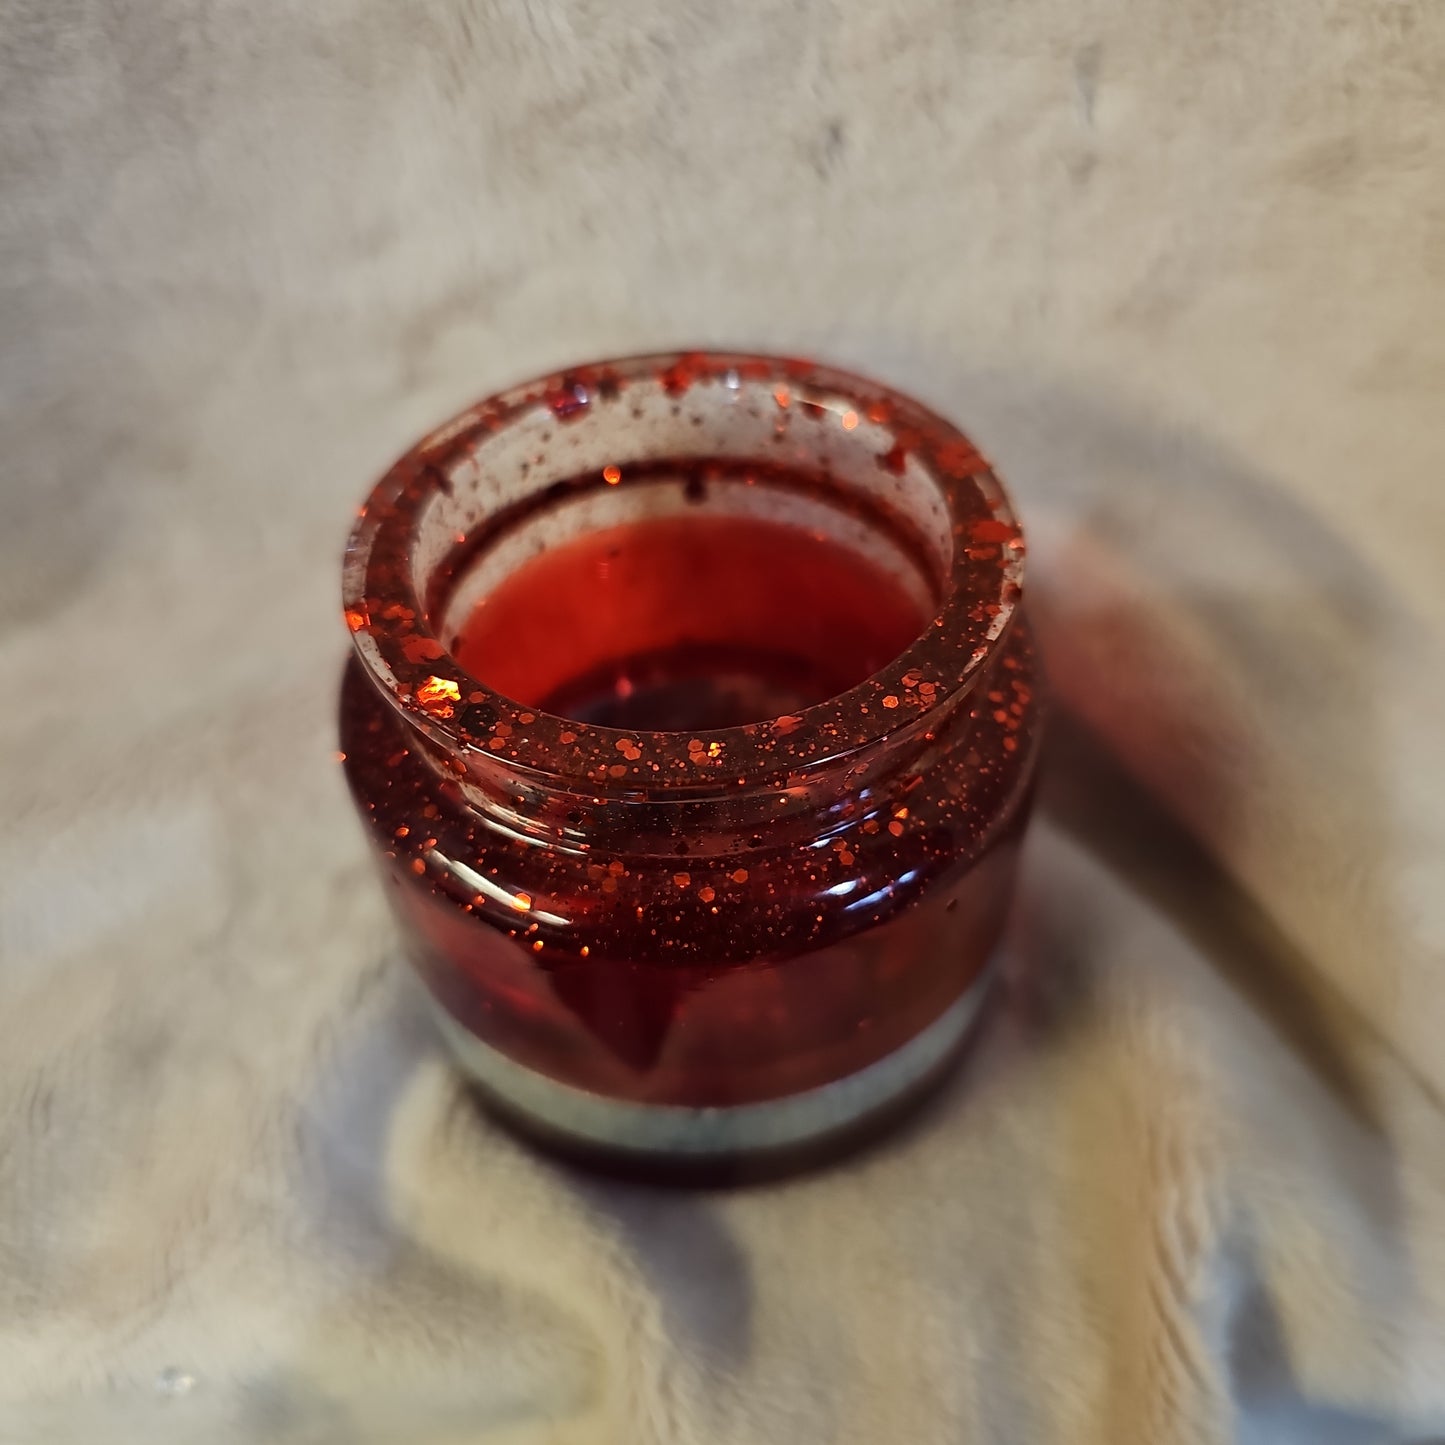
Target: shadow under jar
<point x="693" y="719"/>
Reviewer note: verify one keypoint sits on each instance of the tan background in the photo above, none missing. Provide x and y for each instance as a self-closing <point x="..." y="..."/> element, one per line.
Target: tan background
<point x="1179" y="265"/>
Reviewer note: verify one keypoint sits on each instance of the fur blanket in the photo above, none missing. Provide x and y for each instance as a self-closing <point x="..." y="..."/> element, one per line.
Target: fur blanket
<point x="1178" y="265"/>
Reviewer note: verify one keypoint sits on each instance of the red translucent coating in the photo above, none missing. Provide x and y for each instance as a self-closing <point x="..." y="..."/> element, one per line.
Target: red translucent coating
<point x="687" y="622"/>
<point x="714" y="1029"/>
<point x="626" y="911"/>
<point x="712" y="975"/>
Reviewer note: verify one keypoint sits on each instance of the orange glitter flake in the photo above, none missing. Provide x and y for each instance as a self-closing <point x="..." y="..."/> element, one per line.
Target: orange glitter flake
<point x="416" y="648"/>
<point x="522" y="902"/>
<point x="629" y="749"/>
<point x="850" y="420"/>
<point x="990" y="529"/>
<point x="437" y="696"/>
<point x="418" y="866"/>
<point x="896" y="828"/>
<point x="890" y="701"/>
<point x="355" y="620"/>
<point x="960" y="457"/>
<point x="682" y="880"/>
<point x="706" y="893"/>
<point x="612" y="475"/>
<point x="740" y="875"/>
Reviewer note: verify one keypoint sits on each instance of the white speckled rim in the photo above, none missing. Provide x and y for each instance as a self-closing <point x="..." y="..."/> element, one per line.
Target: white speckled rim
<point x="704" y="1135"/>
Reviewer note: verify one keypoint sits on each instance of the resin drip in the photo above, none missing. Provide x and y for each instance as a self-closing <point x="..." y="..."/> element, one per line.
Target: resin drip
<point x="687" y="622"/>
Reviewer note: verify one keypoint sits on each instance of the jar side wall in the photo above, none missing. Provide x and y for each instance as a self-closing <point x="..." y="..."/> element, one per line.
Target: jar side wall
<point x="769" y="890"/>
<point x="705" y="1036"/>
<point x="709" y="978"/>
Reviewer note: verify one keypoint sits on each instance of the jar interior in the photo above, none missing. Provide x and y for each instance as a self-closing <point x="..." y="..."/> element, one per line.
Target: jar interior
<point x="649" y="564"/>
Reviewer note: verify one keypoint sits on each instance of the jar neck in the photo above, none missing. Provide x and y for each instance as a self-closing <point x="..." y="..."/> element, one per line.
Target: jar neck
<point x="731" y="813"/>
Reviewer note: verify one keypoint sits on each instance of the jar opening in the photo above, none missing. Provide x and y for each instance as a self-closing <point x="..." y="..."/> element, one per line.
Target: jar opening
<point x="705" y="593"/>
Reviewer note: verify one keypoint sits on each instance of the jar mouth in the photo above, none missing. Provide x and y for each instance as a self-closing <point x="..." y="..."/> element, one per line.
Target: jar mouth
<point x="895" y="454"/>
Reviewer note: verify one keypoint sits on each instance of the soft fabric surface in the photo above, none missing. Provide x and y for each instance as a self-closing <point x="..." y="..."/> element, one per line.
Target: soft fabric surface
<point x="1180" y="267"/>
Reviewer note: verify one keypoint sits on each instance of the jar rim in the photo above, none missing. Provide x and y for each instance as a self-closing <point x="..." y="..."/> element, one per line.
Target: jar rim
<point x="464" y="717"/>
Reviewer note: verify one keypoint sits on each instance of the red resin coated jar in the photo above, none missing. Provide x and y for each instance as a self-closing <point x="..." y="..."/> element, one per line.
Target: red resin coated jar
<point x="693" y="719"/>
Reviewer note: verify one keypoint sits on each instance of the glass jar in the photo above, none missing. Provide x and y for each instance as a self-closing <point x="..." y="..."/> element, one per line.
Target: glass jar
<point x="693" y="719"/>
